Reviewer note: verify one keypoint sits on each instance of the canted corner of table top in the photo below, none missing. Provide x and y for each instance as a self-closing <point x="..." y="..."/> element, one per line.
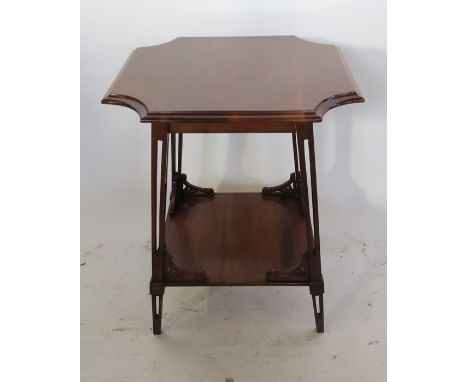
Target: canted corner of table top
<point x="234" y="79"/>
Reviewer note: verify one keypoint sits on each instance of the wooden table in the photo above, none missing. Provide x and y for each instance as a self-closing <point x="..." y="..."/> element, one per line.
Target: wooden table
<point x="234" y="85"/>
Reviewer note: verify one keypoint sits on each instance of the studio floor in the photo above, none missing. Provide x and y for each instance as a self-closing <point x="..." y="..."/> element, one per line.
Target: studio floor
<point x="228" y="333"/>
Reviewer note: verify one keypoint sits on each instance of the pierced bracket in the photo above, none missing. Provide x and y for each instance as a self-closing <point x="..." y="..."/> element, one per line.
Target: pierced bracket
<point x="172" y="273"/>
<point x="182" y="188"/>
<point x="296" y="273"/>
<point x="291" y="187"/>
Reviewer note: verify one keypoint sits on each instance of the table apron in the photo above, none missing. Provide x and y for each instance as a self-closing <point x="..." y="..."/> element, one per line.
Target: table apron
<point x="233" y="127"/>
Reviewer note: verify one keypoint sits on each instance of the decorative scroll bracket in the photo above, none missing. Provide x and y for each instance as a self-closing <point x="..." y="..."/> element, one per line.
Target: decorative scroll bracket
<point x="291" y="187"/>
<point x="296" y="273"/>
<point x="182" y="188"/>
<point x="172" y="273"/>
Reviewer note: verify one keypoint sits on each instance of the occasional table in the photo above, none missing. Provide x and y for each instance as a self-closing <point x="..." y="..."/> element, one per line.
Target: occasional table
<point x="234" y="85"/>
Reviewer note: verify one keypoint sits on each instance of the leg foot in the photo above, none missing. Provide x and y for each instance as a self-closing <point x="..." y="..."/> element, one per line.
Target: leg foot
<point x="319" y="319"/>
<point x="157" y="312"/>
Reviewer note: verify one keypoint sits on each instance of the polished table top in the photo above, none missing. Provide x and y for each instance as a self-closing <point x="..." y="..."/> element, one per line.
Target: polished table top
<point x="234" y="78"/>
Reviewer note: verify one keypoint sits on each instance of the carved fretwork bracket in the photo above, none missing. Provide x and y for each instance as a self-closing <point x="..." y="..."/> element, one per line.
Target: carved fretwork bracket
<point x="174" y="274"/>
<point x="182" y="188"/>
<point x="291" y="187"/>
<point x="295" y="273"/>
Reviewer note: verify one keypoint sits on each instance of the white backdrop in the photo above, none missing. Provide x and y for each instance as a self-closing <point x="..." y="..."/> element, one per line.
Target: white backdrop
<point x="351" y="141"/>
<point x="351" y="171"/>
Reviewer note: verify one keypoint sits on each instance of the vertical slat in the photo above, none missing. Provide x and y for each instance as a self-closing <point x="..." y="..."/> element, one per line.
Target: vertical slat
<point x="296" y="165"/>
<point x="179" y="159"/>
<point x="162" y="192"/>
<point x="173" y="155"/>
<point x="154" y="190"/>
<point x="304" y="187"/>
<point x="313" y="185"/>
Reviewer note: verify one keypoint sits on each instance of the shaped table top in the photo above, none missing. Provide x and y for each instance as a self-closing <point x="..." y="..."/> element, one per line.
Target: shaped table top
<point x="234" y="78"/>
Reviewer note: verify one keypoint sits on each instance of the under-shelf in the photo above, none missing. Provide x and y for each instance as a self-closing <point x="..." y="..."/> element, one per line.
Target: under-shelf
<point x="236" y="237"/>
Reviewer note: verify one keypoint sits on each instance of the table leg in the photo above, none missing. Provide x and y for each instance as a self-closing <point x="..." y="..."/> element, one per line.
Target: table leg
<point x="181" y="187"/>
<point x="305" y="133"/>
<point x="164" y="270"/>
<point x="157" y="305"/>
<point x="159" y="136"/>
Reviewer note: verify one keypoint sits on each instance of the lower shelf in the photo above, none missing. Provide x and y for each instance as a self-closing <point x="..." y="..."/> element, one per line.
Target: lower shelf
<point x="236" y="238"/>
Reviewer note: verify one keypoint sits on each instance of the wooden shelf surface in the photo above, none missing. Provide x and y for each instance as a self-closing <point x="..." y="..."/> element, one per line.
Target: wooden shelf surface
<point x="236" y="237"/>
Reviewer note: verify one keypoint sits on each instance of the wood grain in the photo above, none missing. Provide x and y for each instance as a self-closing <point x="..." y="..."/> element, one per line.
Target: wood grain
<point x="237" y="237"/>
<point x="231" y="78"/>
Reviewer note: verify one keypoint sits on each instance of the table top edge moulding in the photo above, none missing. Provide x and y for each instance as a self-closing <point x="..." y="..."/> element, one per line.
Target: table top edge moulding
<point x="230" y="79"/>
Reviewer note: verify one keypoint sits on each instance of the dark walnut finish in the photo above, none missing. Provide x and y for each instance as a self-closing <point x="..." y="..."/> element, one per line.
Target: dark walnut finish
<point x="234" y="85"/>
<point x="228" y="78"/>
<point x="236" y="237"/>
